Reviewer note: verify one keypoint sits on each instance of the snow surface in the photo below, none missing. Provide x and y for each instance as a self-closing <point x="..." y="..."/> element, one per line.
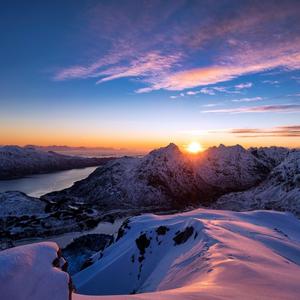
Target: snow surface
<point x="27" y="272"/>
<point x="19" y="204"/>
<point x="229" y="255"/>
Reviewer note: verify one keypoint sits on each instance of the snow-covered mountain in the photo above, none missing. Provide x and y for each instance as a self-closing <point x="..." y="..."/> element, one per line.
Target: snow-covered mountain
<point x="18" y="161"/>
<point x="166" y="178"/>
<point x="202" y="254"/>
<point x="271" y="156"/>
<point x="230" y="168"/>
<point x="279" y="191"/>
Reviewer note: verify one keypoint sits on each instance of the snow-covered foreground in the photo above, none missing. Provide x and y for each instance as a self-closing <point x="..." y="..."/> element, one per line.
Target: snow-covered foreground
<point x="33" y="272"/>
<point x="202" y="254"/>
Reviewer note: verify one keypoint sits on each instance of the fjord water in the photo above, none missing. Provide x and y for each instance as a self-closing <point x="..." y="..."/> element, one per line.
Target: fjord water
<point x="38" y="185"/>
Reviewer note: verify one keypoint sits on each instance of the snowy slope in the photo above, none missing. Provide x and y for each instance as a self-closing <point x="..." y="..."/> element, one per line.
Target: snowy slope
<point x="280" y="191"/>
<point x="20" y="161"/>
<point x="33" y="272"/>
<point x="202" y="254"/>
<point x="271" y="156"/>
<point x="18" y="204"/>
<point x="230" y="168"/>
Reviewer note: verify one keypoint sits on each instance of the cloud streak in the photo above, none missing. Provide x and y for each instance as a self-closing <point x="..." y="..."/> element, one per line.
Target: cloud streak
<point x="284" y="108"/>
<point x="281" y="131"/>
<point x="253" y="99"/>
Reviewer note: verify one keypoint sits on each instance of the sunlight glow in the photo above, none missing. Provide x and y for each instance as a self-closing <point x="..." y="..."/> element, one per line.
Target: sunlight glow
<point x="194" y="147"/>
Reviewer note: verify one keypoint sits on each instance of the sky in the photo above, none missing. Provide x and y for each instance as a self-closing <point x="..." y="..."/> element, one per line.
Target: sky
<point x="141" y="74"/>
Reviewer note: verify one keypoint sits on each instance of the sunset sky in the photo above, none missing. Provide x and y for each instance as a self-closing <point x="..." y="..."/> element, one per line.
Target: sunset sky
<point x="141" y="74"/>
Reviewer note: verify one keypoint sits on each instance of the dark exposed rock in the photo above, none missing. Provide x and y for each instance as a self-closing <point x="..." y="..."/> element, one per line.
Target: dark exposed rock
<point x="162" y="230"/>
<point x="183" y="236"/>
<point x="122" y="229"/>
<point x="142" y="242"/>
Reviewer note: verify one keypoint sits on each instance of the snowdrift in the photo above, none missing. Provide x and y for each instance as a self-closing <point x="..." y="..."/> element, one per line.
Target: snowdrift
<point x="33" y="272"/>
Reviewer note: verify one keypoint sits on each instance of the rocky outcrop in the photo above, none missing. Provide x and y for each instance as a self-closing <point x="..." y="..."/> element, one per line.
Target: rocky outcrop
<point x="79" y="253"/>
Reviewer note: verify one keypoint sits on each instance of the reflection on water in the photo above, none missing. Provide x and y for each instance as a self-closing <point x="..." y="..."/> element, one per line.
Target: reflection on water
<point x="37" y="185"/>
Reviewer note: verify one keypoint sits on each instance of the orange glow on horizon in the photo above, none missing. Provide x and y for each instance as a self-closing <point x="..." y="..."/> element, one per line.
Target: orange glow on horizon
<point x="131" y="140"/>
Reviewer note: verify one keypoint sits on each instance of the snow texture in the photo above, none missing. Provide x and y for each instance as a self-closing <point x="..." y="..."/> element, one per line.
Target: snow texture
<point x="27" y="272"/>
<point x="280" y="191"/>
<point x="202" y="254"/>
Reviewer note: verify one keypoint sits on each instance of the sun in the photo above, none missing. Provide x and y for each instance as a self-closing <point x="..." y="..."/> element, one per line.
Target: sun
<point x="194" y="147"/>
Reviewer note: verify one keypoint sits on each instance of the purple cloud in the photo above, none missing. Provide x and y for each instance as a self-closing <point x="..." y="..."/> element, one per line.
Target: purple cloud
<point x="258" y="109"/>
<point x="281" y="131"/>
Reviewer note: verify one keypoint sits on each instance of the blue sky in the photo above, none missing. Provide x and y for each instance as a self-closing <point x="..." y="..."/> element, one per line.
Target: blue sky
<point x="144" y="73"/>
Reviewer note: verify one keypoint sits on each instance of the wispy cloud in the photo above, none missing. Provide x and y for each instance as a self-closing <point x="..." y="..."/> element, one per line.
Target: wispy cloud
<point x="132" y="44"/>
<point x="296" y="78"/>
<point x="258" y="109"/>
<point x="210" y="105"/>
<point x="272" y="82"/>
<point x="207" y="91"/>
<point x="227" y="90"/>
<point x="177" y="96"/>
<point x="242" y="86"/>
<point x="220" y="89"/>
<point x="253" y="99"/>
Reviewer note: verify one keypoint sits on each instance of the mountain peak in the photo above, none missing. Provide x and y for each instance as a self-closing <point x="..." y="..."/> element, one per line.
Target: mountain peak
<point x="171" y="149"/>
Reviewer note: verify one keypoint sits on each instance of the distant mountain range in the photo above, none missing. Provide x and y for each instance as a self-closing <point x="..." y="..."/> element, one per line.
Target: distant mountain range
<point x="16" y="162"/>
<point x="70" y="148"/>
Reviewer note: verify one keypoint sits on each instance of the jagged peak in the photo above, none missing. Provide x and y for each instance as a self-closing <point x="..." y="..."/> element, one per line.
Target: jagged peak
<point x="171" y="149"/>
<point x="224" y="148"/>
